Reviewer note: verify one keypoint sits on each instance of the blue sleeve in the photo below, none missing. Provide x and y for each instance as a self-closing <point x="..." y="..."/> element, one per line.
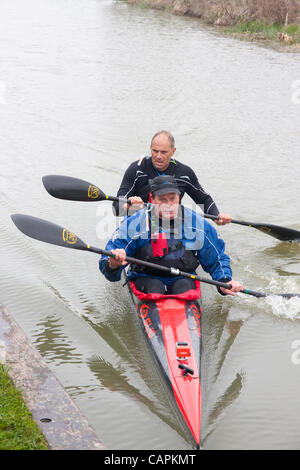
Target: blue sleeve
<point x="114" y="275"/>
<point x="121" y="238"/>
<point x="212" y="256"/>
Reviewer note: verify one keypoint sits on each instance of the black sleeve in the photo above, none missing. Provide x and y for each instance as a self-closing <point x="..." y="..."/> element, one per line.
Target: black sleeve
<point x="225" y="280"/>
<point x="197" y="193"/>
<point x="126" y="189"/>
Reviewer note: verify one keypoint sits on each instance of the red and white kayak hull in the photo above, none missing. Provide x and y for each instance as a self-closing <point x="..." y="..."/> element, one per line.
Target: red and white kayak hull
<point x="172" y="327"/>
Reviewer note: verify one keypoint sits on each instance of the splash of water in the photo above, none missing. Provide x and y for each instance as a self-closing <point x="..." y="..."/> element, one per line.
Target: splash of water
<point x="273" y="303"/>
<point x="285" y="308"/>
<point x="282" y="307"/>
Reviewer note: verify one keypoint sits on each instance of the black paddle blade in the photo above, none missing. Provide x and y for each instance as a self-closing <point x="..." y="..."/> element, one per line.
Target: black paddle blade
<point x="289" y="296"/>
<point x="72" y="189"/>
<point x="261" y="294"/>
<point x="48" y="232"/>
<point x="281" y="233"/>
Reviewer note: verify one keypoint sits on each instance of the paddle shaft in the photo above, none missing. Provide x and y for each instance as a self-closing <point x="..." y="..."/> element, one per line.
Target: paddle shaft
<point x="207" y="216"/>
<point x="75" y="189"/>
<point x="276" y="231"/>
<point x="54" y="234"/>
<point x="233" y="221"/>
<point x="177" y="272"/>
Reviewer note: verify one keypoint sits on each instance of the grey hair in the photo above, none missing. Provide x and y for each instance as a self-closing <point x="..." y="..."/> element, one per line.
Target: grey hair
<point x="166" y="133"/>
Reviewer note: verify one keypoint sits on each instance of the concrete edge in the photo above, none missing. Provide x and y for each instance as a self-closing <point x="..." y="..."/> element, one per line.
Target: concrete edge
<point x="60" y="420"/>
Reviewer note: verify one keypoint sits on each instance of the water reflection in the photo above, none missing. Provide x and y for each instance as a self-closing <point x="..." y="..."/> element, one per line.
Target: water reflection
<point x="75" y="94"/>
<point x="223" y="402"/>
<point x="283" y="250"/>
<point x="135" y="374"/>
<point x="117" y="380"/>
<point x="285" y="258"/>
<point x="222" y="328"/>
<point x="53" y="344"/>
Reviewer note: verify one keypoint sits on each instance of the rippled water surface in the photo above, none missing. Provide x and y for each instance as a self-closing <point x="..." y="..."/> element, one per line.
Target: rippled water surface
<point x="84" y="86"/>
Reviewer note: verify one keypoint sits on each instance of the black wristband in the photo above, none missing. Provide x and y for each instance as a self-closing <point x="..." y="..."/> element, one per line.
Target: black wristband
<point x="225" y="280"/>
<point x="109" y="269"/>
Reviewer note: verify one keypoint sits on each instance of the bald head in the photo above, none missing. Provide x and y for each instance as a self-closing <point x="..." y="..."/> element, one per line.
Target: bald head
<point x="168" y="135"/>
<point x="162" y="150"/>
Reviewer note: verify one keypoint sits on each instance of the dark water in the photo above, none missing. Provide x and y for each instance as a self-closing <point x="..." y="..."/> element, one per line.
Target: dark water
<point x="84" y="85"/>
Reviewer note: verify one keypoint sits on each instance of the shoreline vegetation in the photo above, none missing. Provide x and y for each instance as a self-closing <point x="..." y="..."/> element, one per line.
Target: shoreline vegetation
<point x="18" y="431"/>
<point x="277" y="21"/>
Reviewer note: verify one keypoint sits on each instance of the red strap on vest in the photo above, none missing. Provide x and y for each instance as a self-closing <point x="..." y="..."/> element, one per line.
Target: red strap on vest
<point x="159" y="244"/>
<point x="158" y="241"/>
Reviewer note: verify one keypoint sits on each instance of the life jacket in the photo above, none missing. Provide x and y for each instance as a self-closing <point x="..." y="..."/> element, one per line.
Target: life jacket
<point x="166" y="250"/>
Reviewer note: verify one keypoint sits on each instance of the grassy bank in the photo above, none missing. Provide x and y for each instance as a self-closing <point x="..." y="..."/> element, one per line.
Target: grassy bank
<point x="274" y="20"/>
<point x="259" y="30"/>
<point x="17" y="429"/>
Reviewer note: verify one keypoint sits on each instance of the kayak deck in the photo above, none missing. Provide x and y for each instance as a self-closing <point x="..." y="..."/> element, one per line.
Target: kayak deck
<point x="172" y="328"/>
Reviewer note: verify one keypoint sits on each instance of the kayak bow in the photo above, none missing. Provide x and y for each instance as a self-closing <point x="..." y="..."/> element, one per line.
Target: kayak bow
<point x="172" y="328"/>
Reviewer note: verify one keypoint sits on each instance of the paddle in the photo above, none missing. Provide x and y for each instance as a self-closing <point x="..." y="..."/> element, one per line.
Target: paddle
<point x="276" y="231"/>
<point x="74" y="189"/>
<point x="48" y="232"/>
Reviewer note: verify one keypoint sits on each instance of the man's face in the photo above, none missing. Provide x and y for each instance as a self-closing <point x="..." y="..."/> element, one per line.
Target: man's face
<point x="161" y="152"/>
<point x="166" y="206"/>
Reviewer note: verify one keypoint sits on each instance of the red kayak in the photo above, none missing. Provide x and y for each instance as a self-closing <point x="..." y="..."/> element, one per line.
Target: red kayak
<point x="172" y="327"/>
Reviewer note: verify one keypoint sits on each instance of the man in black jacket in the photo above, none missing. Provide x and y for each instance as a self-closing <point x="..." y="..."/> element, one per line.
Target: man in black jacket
<point x="135" y="184"/>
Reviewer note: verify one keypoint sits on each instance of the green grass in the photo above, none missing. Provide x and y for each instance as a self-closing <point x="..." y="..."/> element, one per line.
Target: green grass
<point x="262" y="30"/>
<point x="18" y="431"/>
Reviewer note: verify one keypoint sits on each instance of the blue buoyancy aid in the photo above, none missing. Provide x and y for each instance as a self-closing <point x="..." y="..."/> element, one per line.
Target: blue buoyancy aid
<point x="197" y="235"/>
<point x="166" y="249"/>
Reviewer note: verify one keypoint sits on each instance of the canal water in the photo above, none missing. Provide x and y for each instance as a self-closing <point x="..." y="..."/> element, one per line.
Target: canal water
<point x="84" y="84"/>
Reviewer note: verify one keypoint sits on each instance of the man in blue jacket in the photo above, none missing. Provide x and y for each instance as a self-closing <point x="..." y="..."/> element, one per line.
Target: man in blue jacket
<point x="171" y="235"/>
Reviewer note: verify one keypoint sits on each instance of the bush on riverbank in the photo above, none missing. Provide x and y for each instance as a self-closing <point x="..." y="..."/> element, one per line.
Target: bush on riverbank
<point x="17" y="429"/>
<point x="230" y="12"/>
<point x="260" y="19"/>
